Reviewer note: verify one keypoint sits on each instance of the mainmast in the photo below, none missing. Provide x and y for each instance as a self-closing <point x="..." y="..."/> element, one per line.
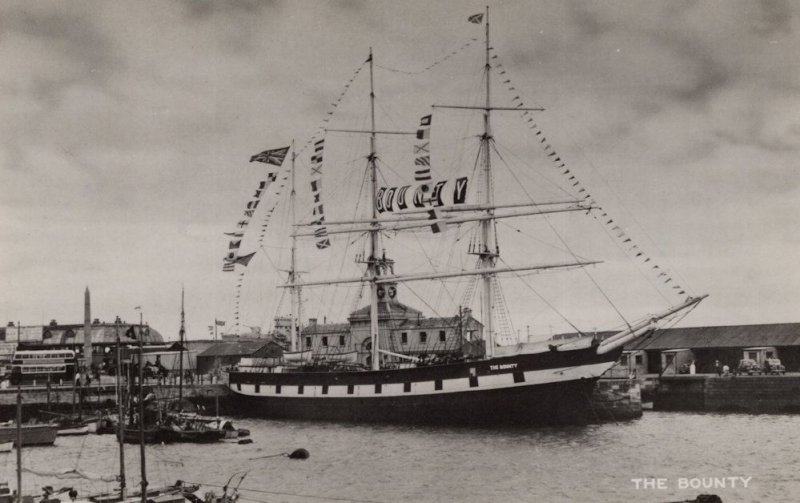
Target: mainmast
<point x="373" y="269"/>
<point x="487" y="256"/>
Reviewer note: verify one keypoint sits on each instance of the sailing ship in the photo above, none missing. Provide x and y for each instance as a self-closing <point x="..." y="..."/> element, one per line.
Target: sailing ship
<point x="476" y="380"/>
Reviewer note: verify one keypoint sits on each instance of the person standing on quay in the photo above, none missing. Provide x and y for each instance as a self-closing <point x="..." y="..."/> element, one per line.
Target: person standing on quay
<point x="717" y="367"/>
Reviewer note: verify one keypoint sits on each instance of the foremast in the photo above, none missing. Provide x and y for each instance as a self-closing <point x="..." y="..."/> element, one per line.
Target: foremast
<point x="296" y="292"/>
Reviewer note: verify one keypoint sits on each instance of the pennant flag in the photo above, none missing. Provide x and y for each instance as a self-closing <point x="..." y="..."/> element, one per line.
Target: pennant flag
<point x="401" y="197"/>
<point x="460" y="191"/>
<point x="274" y="156"/>
<point x="235" y="234"/>
<point x="233" y="245"/>
<point x="219" y="323"/>
<point x="244" y="259"/>
<point x="320" y="232"/>
<point x="436" y="195"/>
<point x="435" y="228"/>
<point x="476" y="18"/>
<point x="422" y="156"/>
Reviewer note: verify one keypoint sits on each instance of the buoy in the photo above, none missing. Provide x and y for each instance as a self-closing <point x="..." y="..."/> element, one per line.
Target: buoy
<point x="245" y="441"/>
<point x="299" y="454"/>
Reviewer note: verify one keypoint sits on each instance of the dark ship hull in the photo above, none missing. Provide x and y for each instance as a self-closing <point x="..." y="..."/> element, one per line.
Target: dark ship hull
<point x="551" y="387"/>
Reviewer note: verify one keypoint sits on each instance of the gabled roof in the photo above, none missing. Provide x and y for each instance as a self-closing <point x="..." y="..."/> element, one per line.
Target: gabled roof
<point x="734" y="336"/>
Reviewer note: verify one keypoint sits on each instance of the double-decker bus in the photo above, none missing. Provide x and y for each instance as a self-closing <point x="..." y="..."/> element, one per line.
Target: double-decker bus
<point x="38" y="365"/>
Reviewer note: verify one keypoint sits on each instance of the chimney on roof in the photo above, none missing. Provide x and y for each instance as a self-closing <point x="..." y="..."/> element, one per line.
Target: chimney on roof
<point x="10" y="324"/>
<point x="96" y="321"/>
<point x="53" y="323"/>
<point x="312" y="322"/>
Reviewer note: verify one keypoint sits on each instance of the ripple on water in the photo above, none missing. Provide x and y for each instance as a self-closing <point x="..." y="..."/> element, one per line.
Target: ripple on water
<point x="407" y="463"/>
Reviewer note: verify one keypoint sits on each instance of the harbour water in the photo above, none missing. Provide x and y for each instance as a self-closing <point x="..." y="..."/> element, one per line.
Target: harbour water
<point x="752" y="455"/>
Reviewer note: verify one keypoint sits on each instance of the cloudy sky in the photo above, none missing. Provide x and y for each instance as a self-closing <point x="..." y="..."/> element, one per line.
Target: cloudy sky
<point x="127" y="126"/>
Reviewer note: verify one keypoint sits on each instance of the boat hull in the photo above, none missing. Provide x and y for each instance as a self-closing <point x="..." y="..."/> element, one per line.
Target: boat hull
<point x="553" y="387"/>
<point x="31" y="434"/>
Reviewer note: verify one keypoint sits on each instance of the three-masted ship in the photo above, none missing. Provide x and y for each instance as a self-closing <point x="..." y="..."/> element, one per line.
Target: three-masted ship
<point x="477" y="382"/>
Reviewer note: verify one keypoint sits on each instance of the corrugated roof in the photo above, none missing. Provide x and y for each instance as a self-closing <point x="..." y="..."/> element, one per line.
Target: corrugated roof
<point x="235" y="348"/>
<point x="734" y="336"/>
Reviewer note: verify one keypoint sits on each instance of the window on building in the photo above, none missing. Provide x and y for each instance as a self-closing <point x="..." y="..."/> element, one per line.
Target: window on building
<point x="324" y="341"/>
<point x="638" y="359"/>
<point x="341" y="340"/>
<point x="308" y="342"/>
<point x="442" y="336"/>
<point x="623" y="360"/>
<point x="769" y="354"/>
<point x="404" y="338"/>
<point x="423" y="337"/>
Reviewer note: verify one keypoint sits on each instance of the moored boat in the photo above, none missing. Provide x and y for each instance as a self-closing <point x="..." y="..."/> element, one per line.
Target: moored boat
<point x="32" y="434"/>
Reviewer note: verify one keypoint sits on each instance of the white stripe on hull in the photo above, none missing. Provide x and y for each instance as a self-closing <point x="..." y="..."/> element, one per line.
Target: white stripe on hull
<point x="485" y="382"/>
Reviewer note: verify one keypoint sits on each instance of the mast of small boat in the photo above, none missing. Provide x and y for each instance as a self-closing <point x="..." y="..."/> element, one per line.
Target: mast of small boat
<point x="121" y="416"/>
<point x="180" y="364"/>
<point x="372" y="269"/>
<point x="19" y="438"/>
<point x="141" y="412"/>
<point x="487" y="257"/>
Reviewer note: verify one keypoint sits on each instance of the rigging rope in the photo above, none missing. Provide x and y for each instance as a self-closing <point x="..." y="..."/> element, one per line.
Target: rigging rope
<point x="631" y="247"/>
<point x="564" y="243"/>
<point x="432" y="65"/>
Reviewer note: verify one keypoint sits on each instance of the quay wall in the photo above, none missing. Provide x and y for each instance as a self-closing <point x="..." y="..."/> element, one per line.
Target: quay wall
<point x="60" y="398"/>
<point x="711" y="393"/>
<point x="617" y="399"/>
